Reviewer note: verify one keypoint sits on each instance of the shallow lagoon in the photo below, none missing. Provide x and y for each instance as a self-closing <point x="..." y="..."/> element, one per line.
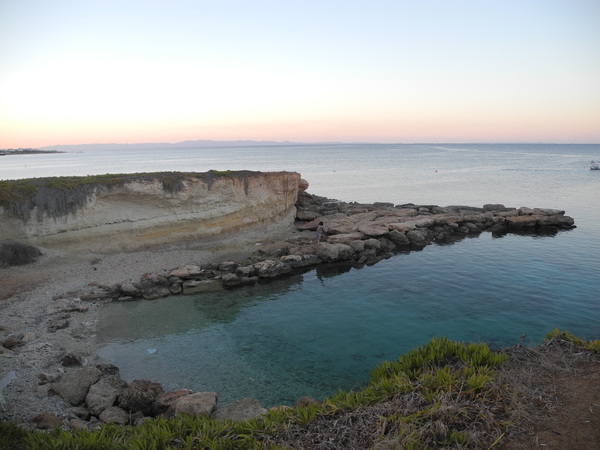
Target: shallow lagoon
<point x="321" y="331"/>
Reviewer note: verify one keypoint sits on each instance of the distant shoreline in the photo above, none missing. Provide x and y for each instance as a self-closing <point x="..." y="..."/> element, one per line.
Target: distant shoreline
<point x="26" y="151"/>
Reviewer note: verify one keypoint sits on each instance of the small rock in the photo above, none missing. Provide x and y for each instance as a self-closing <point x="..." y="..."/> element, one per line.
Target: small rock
<point x="46" y="421"/>
<point x="305" y="401"/>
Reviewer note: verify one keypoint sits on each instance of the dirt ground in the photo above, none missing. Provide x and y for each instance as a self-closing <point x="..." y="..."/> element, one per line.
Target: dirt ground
<point x="575" y="424"/>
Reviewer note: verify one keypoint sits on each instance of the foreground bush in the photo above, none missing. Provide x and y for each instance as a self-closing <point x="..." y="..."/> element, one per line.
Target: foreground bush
<point x="17" y="254"/>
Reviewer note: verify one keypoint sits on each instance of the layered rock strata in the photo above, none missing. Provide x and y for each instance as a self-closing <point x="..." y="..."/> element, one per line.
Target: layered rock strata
<point x="145" y="212"/>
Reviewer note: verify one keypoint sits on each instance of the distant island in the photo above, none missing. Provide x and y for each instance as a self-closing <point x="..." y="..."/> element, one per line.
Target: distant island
<point x="25" y="151"/>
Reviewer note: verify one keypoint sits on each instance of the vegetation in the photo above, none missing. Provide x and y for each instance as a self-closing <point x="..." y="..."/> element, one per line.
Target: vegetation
<point x="442" y="395"/>
<point x="59" y="196"/>
<point x="17" y="253"/>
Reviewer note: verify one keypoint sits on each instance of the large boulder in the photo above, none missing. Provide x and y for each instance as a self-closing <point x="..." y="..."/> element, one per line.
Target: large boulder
<point x="114" y="414"/>
<point x="104" y="393"/>
<point x="271" y="268"/>
<point x="140" y="395"/>
<point x="399" y="238"/>
<point x="74" y="386"/>
<point x="334" y="252"/>
<point x="165" y="400"/>
<point x="418" y="237"/>
<point x="198" y="404"/>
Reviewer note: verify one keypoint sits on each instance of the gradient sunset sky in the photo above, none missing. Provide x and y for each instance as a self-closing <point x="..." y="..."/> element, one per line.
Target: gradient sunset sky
<point x="123" y="71"/>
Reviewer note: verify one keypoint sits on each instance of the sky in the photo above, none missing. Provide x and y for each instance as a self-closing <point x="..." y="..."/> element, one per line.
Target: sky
<point x="128" y="71"/>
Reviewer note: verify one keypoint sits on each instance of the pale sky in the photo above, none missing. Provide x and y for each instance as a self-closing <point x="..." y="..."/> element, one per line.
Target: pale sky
<point x="127" y="71"/>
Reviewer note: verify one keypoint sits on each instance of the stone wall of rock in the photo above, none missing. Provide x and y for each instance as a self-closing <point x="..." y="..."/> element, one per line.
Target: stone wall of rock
<point x="141" y="214"/>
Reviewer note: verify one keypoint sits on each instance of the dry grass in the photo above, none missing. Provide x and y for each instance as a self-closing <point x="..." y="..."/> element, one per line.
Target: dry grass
<point x="522" y="397"/>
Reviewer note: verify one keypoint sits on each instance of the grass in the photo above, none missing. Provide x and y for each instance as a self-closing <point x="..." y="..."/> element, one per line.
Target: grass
<point x="444" y="394"/>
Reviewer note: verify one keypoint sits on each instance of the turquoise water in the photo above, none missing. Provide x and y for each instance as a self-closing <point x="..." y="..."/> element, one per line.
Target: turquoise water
<point x="323" y="330"/>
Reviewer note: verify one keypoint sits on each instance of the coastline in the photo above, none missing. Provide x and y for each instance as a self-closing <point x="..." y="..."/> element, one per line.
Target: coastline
<point x="29" y="292"/>
<point x="35" y="291"/>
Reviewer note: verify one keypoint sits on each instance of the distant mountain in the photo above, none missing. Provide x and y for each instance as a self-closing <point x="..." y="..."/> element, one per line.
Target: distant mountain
<point x="183" y="144"/>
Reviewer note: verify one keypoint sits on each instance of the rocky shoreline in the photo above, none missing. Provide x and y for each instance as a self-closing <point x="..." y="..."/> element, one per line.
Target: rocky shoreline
<point x="47" y="332"/>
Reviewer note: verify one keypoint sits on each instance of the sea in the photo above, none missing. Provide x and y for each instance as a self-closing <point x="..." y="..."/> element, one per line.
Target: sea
<point x="323" y="330"/>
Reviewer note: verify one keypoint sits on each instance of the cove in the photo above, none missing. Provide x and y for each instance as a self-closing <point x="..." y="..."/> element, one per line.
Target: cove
<point x="324" y="330"/>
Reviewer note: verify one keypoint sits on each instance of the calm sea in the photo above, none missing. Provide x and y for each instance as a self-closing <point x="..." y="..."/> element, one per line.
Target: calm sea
<point x="324" y="330"/>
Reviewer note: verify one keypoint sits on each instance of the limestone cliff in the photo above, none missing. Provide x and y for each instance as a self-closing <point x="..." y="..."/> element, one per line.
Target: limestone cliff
<point x="127" y="213"/>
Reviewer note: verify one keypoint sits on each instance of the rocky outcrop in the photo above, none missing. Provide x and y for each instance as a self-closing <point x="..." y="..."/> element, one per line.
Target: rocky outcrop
<point x="356" y="233"/>
<point x="99" y="393"/>
<point x="145" y="211"/>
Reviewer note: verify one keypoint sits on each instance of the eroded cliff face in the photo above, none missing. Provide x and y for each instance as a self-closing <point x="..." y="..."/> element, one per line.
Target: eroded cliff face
<point x="141" y="214"/>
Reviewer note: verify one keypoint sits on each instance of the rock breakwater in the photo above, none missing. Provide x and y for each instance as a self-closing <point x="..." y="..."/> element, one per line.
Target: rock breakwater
<point x="361" y="234"/>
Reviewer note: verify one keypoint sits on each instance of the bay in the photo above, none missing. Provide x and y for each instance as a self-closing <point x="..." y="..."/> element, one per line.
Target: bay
<point x="323" y="330"/>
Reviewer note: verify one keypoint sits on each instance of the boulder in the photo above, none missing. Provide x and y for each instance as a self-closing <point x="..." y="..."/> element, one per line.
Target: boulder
<point x="198" y="404"/>
<point x="104" y="393"/>
<point x="271" y="268"/>
<point x="386" y="244"/>
<point x="230" y="280"/>
<point x="156" y="293"/>
<point x="245" y="409"/>
<point x="140" y="395"/>
<point x="334" y="252"/>
<point x="524" y="221"/>
<point x="302" y="185"/>
<point x="114" y="414"/>
<point x="303" y="260"/>
<point x="186" y="272"/>
<point x="549" y="212"/>
<point x="130" y="290"/>
<point x="245" y="271"/>
<point x="494" y="207"/>
<point x="166" y="399"/>
<point x="373" y="243"/>
<point x="46" y="421"/>
<point x="344" y="238"/>
<point x="357" y="246"/>
<point x="418" y="238"/>
<point x="307" y="214"/>
<point x="74" y="386"/>
<point x="176" y="288"/>
<point x="399" y="238"/>
<point x="77" y="425"/>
